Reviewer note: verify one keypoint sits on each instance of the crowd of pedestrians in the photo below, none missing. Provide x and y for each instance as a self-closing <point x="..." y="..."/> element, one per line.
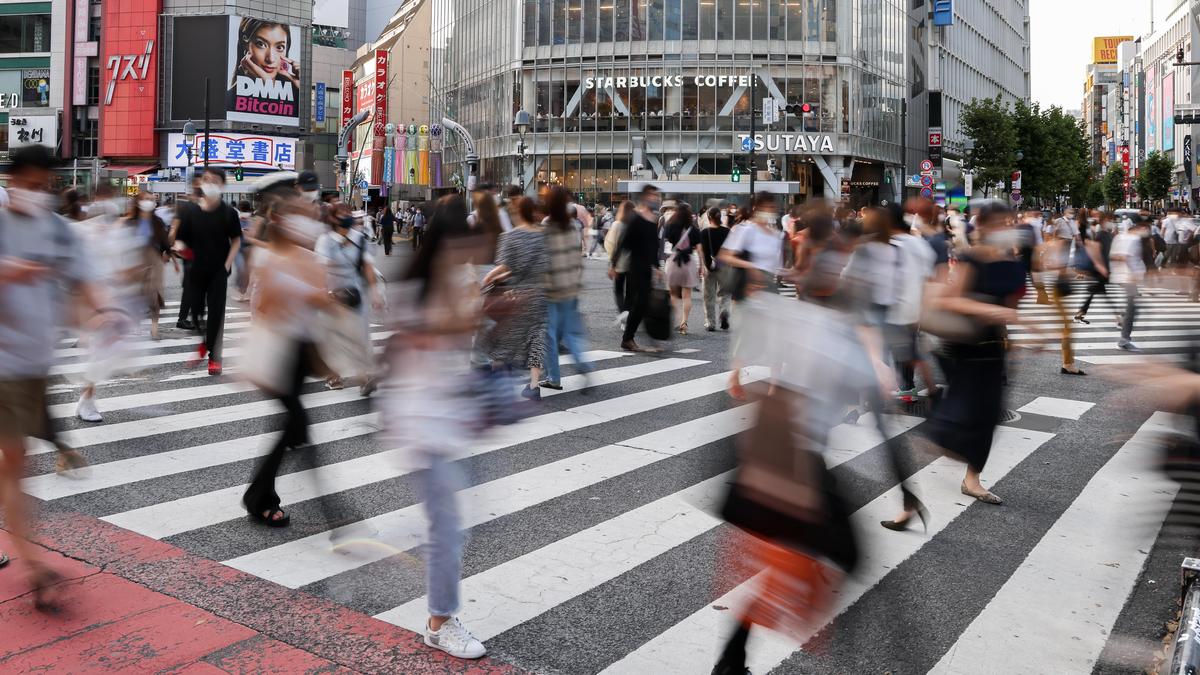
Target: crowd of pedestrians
<point x="893" y="304"/>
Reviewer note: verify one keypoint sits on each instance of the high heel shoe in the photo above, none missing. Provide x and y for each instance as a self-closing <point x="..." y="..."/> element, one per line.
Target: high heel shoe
<point x="1080" y="319"/>
<point x="902" y="525"/>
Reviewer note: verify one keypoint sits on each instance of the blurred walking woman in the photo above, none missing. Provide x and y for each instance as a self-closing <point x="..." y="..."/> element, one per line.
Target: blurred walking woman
<point x="151" y="233"/>
<point x="682" y="271"/>
<point x="290" y="292"/>
<point x="430" y="407"/>
<point x="985" y="291"/>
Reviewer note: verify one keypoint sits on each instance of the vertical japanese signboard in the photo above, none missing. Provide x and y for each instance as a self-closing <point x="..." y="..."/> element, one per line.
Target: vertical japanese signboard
<point x="381" y="78"/>
<point x="320" y="103"/>
<point x="347" y="96"/>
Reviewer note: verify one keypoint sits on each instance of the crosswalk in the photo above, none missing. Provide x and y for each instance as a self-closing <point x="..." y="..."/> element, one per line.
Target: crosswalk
<point x="593" y="534"/>
<point x="1167" y="326"/>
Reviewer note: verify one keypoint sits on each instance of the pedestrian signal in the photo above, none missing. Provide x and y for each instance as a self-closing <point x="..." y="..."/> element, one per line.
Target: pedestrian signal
<point x="736" y="176"/>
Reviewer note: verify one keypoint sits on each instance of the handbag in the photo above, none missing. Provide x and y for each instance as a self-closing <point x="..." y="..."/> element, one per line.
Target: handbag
<point x="350" y="296"/>
<point x="945" y="324"/>
<point x="783" y="492"/>
<point x="500" y="302"/>
<point x="657" y="319"/>
<point x="733" y="279"/>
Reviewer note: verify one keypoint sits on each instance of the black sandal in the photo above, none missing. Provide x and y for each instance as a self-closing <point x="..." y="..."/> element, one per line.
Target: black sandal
<point x="270" y="520"/>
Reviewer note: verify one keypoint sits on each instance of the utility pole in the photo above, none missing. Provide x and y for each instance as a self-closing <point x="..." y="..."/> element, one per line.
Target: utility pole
<point x="206" y="122"/>
<point x="753" y="123"/>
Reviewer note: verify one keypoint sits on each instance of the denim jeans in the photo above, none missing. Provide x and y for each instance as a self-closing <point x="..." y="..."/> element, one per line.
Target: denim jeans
<point x="563" y="324"/>
<point x="439" y="486"/>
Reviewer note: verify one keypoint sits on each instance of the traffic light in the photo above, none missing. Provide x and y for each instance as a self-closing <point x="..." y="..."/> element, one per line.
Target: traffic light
<point x="798" y="109"/>
<point x="237" y="174"/>
<point x="736" y="176"/>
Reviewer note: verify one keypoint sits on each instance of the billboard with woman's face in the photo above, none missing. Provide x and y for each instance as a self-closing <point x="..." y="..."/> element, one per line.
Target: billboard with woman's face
<point x="264" y="72"/>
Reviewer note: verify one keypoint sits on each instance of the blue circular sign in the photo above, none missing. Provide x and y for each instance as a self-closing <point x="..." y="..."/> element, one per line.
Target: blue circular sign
<point x="747" y="143"/>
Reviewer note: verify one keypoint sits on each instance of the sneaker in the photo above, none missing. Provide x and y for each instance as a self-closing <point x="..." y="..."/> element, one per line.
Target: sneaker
<point x="1128" y="346"/>
<point x="86" y="410"/>
<point x="619" y="322"/>
<point x="531" y="393"/>
<point x="454" y="639"/>
<point x="214" y="367"/>
<point x="547" y="384"/>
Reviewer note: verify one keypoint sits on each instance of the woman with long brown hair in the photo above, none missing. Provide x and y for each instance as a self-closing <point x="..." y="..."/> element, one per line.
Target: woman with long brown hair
<point x="563" y="282"/>
<point x="151" y="233"/>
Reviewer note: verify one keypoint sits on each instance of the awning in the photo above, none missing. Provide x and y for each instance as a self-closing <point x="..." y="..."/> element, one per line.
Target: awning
<point x="134" y="170"/>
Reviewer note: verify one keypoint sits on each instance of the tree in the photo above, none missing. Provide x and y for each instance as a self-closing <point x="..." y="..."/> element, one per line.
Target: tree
<point x="1154" y="179"/>
<point x="1093" y="195"/>
<point x="989" y="123"/>
<point x="1114" y="186"/>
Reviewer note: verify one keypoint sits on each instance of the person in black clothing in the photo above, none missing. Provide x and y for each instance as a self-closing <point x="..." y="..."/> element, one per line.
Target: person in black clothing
<point x="1097" y="242"/>
<point x="213" y="232"/>
<point x="640" y="243"/>
<point x="388" y="222"/>
<point x="716" y="299"/>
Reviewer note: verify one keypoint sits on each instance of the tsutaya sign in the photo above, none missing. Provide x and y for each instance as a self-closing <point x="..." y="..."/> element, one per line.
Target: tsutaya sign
<point x="811" y="143"/>
<point x="643" y="81"/>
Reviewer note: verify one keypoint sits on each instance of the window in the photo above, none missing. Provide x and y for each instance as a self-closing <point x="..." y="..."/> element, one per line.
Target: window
<point x="25" y="33"/>
<point x="574" y="21"/>
<point x="708" y="19"/>
<point x="93" y="81"/>
<point x="655" y="28"/>
<point x="545" y="21"/>
<point x="531" y="22"/>
<point x="621" y="24"/>
<point x="725" y="19"/>
<point x="741" y="19"/>
<point x="589" y="21"/>
<point x="688" y="11"/>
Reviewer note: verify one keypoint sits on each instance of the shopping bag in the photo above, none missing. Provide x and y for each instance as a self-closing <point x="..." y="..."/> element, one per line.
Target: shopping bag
<point x="343" y="342"/>
<point x="266" y="360"/>
<point x="658" y="314"/>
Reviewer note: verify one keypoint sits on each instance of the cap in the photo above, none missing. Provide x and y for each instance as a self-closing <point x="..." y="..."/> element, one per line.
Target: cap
<point x="277" y="180"/>
<point x="893" y="211"/>
<point x="308" y="181"/>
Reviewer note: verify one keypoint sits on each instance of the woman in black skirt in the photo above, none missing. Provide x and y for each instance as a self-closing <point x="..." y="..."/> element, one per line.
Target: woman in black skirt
<point x="985" y="288"/>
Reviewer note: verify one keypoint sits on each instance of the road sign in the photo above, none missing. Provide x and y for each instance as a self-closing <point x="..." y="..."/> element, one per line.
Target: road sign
<point x="1015" y="196"/>
<point x="769" y="111"/>
<point x="747" y="143"/>
<point x="915" y="178"/>
<point x="927" y="192"/>
<point x="935" y="137"/>
<point x="926" y="165"/>
<point x="362" y="184"/>
<point x="926" y="180"/>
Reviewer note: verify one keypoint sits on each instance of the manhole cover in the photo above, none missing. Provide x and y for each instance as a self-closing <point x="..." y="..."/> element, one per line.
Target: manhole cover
<point x="1009" y="416"/>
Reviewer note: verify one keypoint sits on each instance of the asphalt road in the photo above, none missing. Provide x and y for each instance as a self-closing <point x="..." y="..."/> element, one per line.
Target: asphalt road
<point x="592" y="540"/>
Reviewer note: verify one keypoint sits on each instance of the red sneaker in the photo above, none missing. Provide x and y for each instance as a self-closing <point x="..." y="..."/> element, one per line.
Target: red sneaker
<point x="201" y="352"/>
<point x="214" y="367"/>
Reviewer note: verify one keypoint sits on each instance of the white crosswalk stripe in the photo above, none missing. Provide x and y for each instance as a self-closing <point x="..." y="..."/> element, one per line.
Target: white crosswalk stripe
<point x="579" y="491"/>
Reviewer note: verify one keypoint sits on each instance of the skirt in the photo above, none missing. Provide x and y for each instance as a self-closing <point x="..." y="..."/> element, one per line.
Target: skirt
<point x="686" y="275"/>
<point x="965" y="421"/>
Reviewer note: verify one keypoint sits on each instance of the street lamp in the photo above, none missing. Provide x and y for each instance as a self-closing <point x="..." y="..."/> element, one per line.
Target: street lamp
<point x="521" y="124"/>
<point x="189" y="139"/>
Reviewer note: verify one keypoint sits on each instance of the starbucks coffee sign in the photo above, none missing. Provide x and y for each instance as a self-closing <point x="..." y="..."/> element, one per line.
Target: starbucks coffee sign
<point x="787" y="142"/>
<point x="644" y="81"/>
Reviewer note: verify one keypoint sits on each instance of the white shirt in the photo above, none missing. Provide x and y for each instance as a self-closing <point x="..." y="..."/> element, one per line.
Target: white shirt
<point x="1170" y="232"/>
<point x="1130" y="268"/>
<point x="917" y="261"/>
<point x="764" y="247"/>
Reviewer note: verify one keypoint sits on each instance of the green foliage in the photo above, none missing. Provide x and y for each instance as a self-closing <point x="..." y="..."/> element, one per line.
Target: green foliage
<point x="1054" y="151"/>
<point x="1093" y="195"/>
<point x="989" y="123"/>
<point x="1114" y="186"/>
<point x="1154" y="177"/>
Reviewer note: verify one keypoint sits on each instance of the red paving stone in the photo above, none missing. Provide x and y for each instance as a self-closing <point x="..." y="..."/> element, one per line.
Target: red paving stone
<point x="229" y="610"/>
<point x="170" y="636"/>
<point x="264" y="656"/>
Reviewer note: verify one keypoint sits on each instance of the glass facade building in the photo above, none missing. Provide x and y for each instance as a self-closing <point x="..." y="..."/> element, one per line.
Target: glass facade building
<point x="666" y="84"/>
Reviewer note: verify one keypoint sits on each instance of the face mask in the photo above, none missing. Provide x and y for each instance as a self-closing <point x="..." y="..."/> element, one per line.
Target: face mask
<point x="1004" y="239"/>
<point x="31" y="202"/>
<point x="210" y="191"/>
<point x="653" y="204"/>
<point x="312" y="196"/>
<point x="302" y="229"/>
<point x="146" y="205"/>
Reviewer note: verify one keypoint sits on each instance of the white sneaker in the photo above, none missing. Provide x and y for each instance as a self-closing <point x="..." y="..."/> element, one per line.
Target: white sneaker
<point x="1128" y="346"/>
<point x="86" y="410"/>
<point x="455" y="640"/>
<point x="619" y="322"/>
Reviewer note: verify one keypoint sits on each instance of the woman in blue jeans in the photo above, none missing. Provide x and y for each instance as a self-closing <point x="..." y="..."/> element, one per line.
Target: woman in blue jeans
<point x="430" y="407"/>
<point x="563" y="281"/>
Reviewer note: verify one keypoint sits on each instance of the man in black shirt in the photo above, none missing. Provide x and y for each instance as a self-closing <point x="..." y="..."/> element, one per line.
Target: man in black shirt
<point x="640" y="241"/>
<point x="213" y="232"/>
<point x="712" y="238"/>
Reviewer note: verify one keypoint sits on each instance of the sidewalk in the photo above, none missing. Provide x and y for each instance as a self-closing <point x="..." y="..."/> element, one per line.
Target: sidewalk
<point x="134" y="604"/>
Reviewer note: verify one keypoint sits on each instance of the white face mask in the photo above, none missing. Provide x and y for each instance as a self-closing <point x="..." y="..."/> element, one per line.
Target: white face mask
<point x="30" y="202"/>
<point x="312" y="196"/>
<point x="146" y="205"/>
<point x="210" y="191"/>
<point x="302" y="229"/>
<point x="1004" y="239"/>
